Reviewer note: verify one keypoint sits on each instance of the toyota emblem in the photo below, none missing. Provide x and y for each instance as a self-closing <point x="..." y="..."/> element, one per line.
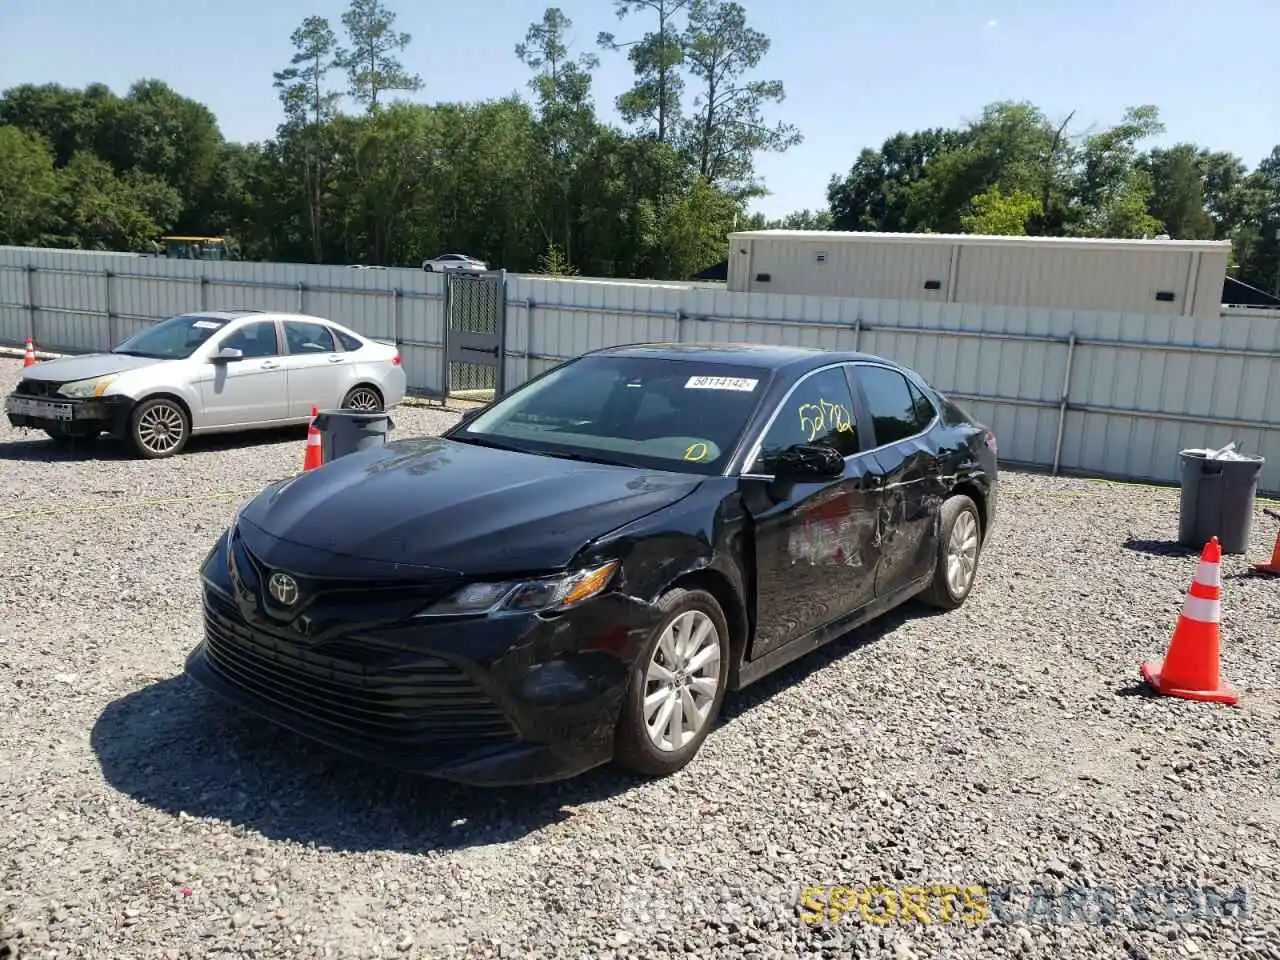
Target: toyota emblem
<point x="284" y="588"/>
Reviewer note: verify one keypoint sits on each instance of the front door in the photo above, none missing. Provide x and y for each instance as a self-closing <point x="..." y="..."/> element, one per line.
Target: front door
<point x="319" y="373"/>
<point x="913" y="489"/>
<point x="815" y="543"/>
<point x="253" y="389"/>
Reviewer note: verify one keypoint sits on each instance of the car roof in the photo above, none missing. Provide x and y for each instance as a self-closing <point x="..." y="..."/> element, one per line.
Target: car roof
<point x="761" y="355"/>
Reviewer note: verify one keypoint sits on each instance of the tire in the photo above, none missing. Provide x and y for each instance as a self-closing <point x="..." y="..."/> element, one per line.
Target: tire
<point x="634" y="748"/>
<point x="362" y="397"/>
<point x="959" y="548"/>
<point x="154" y="419"/>
<point x="429" y="269"/>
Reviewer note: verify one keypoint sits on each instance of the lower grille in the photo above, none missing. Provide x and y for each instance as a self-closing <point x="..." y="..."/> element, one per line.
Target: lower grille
<point x="37" y="388"/>
<point x="407" y="699"/>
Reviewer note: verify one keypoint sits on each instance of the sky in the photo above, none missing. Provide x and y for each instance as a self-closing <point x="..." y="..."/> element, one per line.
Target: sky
<point x="855" y="73"/>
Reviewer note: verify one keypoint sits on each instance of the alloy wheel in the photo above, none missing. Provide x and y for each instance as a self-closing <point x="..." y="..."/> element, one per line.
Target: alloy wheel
<point x="362" y="398"/>
<point x="682" y="680"/>
<point x="962" y="553"/>
<point x="161" y="428"/>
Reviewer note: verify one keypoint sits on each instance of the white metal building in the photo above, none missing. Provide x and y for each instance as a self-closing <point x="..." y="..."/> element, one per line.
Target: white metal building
<point x="1178" y="277"/>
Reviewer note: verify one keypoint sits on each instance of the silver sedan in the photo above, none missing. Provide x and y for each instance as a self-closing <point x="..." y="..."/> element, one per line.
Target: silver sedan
<point x="208" y="372"/>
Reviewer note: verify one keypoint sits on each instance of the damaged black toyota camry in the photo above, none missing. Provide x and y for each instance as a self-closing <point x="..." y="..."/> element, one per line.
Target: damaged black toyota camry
<point x="580" y="572"/>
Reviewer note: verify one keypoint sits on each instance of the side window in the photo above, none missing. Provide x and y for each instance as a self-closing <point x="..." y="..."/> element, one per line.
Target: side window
<point x="347" y="340"/>
<point x="820" y="410"/>
<point x="890" y="402"/>
<point x="254" y="340"/>
<point x="923" y="407"/>
<point x="307" y="338"/>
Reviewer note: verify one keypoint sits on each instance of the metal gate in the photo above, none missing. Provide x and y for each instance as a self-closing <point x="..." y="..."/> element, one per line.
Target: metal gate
<point x="475" y="306"/>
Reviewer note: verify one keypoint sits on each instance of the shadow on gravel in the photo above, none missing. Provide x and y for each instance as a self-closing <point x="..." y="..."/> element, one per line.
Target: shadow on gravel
<point x="40" y="449"/>
<point x="1159" y="548"/>
<point x="177" y="748"/>
<point x="1136" y="689"/>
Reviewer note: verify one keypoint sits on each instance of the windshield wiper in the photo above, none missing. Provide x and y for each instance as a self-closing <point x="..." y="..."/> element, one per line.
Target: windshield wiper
<point x="486" y="442"/>
<point x="581" y="457"/>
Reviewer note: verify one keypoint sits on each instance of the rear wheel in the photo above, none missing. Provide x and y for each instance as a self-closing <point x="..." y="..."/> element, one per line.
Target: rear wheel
<point x="959" y="546"/>
<point x="159" y="428"/>
<point x="677" y="686"/>
<point x="362" y="398"/>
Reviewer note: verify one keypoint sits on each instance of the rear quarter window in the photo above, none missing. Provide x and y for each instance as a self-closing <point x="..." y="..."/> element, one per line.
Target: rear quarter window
<point x="347" y="340"/>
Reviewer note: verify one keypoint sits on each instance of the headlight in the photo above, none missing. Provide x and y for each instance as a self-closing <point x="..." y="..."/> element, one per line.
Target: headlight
<point x="81" y="389"/>
<point x="546" y="594"/>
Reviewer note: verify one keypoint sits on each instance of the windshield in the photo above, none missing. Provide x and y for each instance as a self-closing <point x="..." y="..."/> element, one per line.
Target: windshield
<point x="666" y="414"/>
<point x="173" y="339"/>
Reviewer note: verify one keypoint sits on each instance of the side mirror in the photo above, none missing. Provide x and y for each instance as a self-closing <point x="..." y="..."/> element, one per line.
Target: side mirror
<point x="227" y="355"/>
<point x="808" y="463"/>
<point x="469" y="415"/>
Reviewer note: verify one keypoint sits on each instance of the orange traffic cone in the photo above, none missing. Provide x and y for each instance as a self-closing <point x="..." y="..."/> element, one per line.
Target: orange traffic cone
<point x="315" y="453"/>
<point x="29" y="358"/>
<point x="1274" y="566"/>
<point x="1191" y="667"/>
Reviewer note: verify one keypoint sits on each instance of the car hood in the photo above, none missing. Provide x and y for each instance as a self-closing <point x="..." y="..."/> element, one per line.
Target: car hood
<point x="68" y="369"/>
<point x="456" y="506"/>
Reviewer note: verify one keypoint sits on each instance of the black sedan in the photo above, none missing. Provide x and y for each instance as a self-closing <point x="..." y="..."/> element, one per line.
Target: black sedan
<point x="581" y="571"/>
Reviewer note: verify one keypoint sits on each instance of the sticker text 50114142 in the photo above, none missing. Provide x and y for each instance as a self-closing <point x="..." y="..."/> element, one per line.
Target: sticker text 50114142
<point x="741" y="384"/>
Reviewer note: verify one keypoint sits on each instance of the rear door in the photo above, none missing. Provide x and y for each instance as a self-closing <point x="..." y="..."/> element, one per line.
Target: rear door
<point x="253" y="389"/>
<point x="900" y="418"/>
<point x="815" y="550"/>
<point x="319" y="371"/>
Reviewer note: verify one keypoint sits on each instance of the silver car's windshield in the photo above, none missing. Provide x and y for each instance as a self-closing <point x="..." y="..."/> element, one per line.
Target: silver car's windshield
<point x="173" y="339"/>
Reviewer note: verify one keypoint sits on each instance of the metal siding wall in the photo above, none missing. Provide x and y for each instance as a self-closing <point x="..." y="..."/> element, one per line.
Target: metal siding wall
<point x="1142" y="386"/>
<point x="883" y="271"/>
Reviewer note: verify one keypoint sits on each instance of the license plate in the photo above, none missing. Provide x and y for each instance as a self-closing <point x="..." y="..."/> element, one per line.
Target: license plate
<point x="44" y="409"/>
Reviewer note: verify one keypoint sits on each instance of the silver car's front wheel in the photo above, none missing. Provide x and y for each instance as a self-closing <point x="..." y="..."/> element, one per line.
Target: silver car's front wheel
<point x="677" y="685"/>
<point x="159" y="428"/>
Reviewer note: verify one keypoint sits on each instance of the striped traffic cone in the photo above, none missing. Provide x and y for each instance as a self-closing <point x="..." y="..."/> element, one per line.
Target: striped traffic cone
<point x="1190" y="669"/>
<point x="1273" y="567"/>
<point x="29" y="358"/>
<point x="315" y="453"/>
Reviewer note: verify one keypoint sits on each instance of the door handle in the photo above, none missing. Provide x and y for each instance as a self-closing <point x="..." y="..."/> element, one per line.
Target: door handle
<point x="337" y="359"/>
<point x="270" y="364"/>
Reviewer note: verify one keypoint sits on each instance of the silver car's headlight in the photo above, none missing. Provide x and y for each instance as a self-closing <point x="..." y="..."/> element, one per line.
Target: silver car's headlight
<point x="82" y="389"/>
<point x="525" y="596"/>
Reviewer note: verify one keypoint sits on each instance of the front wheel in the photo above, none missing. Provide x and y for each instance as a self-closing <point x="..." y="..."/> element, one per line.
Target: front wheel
<point x="677" y="686"/>
<point x="159" y="428"/>
<point x="429" y="268"/>
<point x="959" y="546"/>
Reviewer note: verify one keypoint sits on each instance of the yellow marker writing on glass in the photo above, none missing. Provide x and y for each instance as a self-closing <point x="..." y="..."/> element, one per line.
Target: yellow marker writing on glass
<point x="696" y="452"/>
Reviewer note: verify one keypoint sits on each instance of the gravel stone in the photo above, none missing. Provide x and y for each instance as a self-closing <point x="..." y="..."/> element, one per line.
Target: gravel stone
<point x="1007" y="744"/>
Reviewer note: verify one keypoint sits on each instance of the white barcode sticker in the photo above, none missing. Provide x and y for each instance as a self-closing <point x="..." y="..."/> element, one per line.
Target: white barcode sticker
<point x="741" y="384"/>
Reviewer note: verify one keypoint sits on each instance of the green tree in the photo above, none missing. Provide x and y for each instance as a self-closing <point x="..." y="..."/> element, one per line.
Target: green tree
<point x="301" y="85"/>
<point x="1000" y="214"/>
<point x="653" y="103"/>
<point x="370" y="61"/>
<point x="100" y="211"/>
<point x="28" y="187"/>
<point x="727" y="128"/>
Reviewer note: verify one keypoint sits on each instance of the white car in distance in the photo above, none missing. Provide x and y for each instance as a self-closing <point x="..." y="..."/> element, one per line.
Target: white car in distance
<point x="208" y="372"/>
<point x="454" y="261"/>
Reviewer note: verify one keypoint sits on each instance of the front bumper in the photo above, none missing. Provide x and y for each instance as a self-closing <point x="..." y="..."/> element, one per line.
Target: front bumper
<point x="69" y="417"/>
<point x="490" y="701"/>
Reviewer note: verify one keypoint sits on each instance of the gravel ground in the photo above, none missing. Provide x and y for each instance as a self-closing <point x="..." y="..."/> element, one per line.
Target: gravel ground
<point x="1006" y="743"/>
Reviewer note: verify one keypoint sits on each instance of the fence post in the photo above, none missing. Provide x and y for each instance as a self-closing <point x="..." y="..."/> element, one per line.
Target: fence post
<point x="302" y="297"/>
<point x="204" y="292"/>
<point x="530" y="306"/>
<point x="112" y="332"/>
<point x="1062" y="404"/>
<point x="397" y="300"/>
<point x="500" y="378"/>
<point x="31" y="301"/>
<point x="857" y="334"/>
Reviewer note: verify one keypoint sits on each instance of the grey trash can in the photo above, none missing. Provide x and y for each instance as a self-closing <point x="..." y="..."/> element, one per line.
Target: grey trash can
<point x="1218" y="497"/>
<point x="349" y="431"/>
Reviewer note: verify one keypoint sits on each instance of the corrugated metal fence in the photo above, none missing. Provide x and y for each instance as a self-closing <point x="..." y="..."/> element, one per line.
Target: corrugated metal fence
<point x="1108" y="394"/>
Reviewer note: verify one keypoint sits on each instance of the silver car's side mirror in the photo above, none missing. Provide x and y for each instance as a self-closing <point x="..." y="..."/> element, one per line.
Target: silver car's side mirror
<point x="228" y="354"/>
